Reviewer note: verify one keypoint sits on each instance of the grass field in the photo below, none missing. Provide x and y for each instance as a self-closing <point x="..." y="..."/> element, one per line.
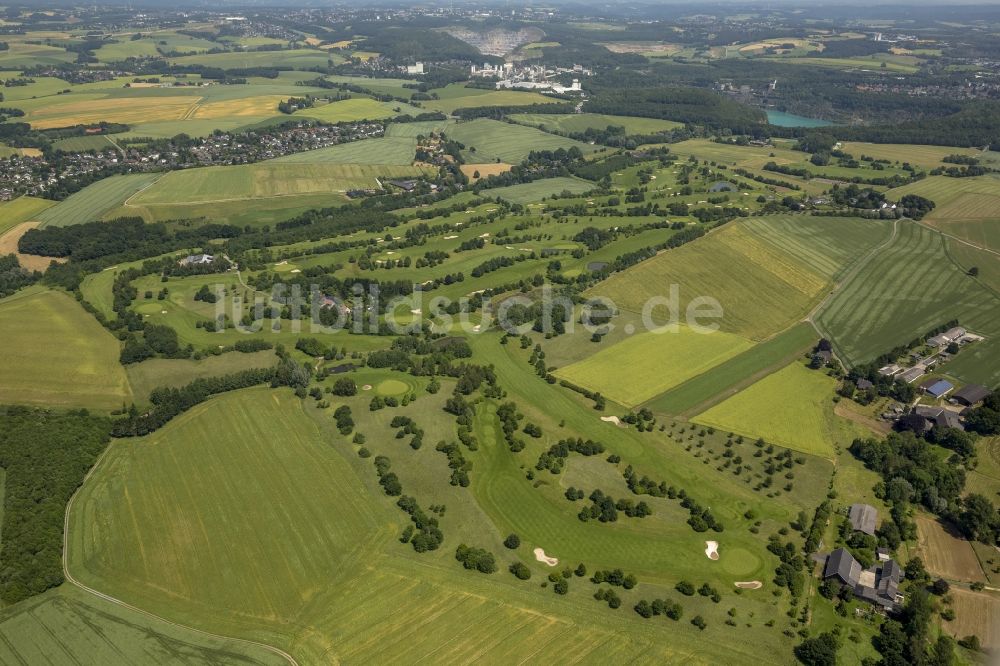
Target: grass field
<point x="924" y="156"/>
<point x="64" y="359"/>
<point x="792" y="407"/>
<point x="568" y="123"/>
<point x="412" y="130"/>
<point x="394" y="150"/>
<point x="966" y="207"/>
<point x="656" y="363"/>
<point x="126" y="48"/>
<point x="540" y="189"/>
<point x="93" y="201"/>
<point x="356" y="108"/>
<point x="456" y="96"/>
<point x="83" y="143"/>
<point x="176" y="372"/>
<point x="21" y="55"/>
<point x="764" y="287"/>
<point x="729" y="376"/>
<point x="263" y="212"/>
<point x="909" y="288"/>
<point x="69" y="626"/>
<point x="266" y="180"/>
<point x="134" y="109"/>
<point x="294" y="58"/>
<point x="945" y="553"/>
<point x="21" y="209"/>
<point x="497" y="141"/>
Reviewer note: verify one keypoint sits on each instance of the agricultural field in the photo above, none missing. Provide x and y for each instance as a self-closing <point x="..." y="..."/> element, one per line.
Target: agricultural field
<point x="118" y="109"/>
<point x="456" y="96"/>
<point x="93" y="201"/>
<point x="265" y="180"/>
<point x="355" y="108"/>
<point x="65" y="357"/>
<point x="491" y="140"/>
<point x="83" y="143"/>
<point x="69" y="625"/>
<point x="657" y="362"/>
<point x="567" y="123"/>
<point x="176" y="372"/>
<point x="726" y="378"/>
<point x="388" y="150"/>
<point x="977" y="613"/>
<point x="792" y="407"/>
<point x="966" y="207"/>
<point x="413" y="130"/>
<point x="909" y="287"/>
<point x="22" y="209"/>
<point x="294" y="58"/>
<point x="541" y="189"/>
<point x="945" y="553"/>
<point x="22" y="55"/>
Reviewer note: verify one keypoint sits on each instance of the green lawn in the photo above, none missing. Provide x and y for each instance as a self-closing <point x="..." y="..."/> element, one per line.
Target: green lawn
<point x="792" y="407"/>
<point x="93" y="201"/>
<point x="656" y="362"/>
<point x="63" y="357"/>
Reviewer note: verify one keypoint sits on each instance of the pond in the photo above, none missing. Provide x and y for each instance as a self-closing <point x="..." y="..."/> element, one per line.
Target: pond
<point x="782" y="119"/>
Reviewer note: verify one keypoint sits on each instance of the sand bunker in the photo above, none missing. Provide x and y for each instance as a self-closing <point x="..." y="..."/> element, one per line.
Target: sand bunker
<point x="450" y="237"/>
<point x="712" y="550"/>
<point x="613" y="419"/>
<point x="542" y="557"/>
<point x="750" y="584"/>
<point x="366" y="387"/>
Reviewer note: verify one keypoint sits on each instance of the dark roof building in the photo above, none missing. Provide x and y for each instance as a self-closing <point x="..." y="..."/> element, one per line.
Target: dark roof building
<point x="878" y="585"/>
<point x="842" y="564"/>
<point x="938" y="388"/>
<point x="938" y="416"/>
<point x="864" y="385"/>
<point x="863" y="517"/>
<point x="971" y="394"/>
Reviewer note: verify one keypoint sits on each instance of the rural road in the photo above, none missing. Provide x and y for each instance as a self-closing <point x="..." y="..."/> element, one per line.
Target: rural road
<point x="118" y="602"/>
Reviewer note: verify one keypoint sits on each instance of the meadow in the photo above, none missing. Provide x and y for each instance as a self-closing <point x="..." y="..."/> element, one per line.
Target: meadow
<point x="908" y="288"/>
<point x="396" y="150"/>
<point x="92" y="202"/>
<point x="966" y="207"/>
<point x="945" y="553"/>
<point x="176" y="372"/>
<point x="302" y="59"/>
<point x="492" y="140"/>
<point x="64" y="359"/>
<point x="792" y="407"/>
<point x="568" y="123"/>
<point x="457" y="96"/>
<point x="355" y="108"/>
<point x="656" y="362"/>
<point x="540" y="189"/>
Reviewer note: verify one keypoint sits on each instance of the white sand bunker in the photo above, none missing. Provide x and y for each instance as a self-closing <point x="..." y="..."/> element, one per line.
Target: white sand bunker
<point x="366" y="387"/>
<point x="542" y="557"/>
<point x="477" y="328"/>
<point x="296" y="270"/>
<point x="712" y="550"/>
<point x="416" y="311"/>
<point x="613" y="419"/>
<point x="750" y="584"/>
<point x="450" y="237"/>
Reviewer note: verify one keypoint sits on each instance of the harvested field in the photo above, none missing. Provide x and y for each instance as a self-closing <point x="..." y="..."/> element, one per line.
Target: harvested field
<point x="33" y="262"/>
<point x="945" y="553"/>
<point x="976" y="613"/>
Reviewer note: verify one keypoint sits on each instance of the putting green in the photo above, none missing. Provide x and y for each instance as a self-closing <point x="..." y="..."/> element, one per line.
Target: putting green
<point x="738" y="561"/>
<point x="392" y="387"/>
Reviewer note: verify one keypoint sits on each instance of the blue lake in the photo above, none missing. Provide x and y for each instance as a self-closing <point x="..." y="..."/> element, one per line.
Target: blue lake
<point x="782" y="119"/>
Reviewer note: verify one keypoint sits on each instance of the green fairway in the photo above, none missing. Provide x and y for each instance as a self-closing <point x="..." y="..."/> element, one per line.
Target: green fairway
<point x="727" y="377"/>
<point x="93" y="201"/>
<point x="908" y="288"/>
<point x="64" y="357"/>
<point x="792" y="407"/>
<point x="656" y="363"/>
<point x="540" y="189"/>
<point x="382" y="150"/>
<point x="493" y="140"/>
<point x="568" y="123"/>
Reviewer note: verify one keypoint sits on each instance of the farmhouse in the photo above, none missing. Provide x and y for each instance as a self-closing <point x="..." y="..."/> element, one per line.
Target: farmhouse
<point x="863" y="384"/>
<point x="938" y="416"/>
<point x="879" y="585"/>
<point x="951" y="335"/>
<point x="912" y="375"/>
<point x="971" y="394"/>
<point x="937" y="388"/>
<point x="863" y="517"/>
